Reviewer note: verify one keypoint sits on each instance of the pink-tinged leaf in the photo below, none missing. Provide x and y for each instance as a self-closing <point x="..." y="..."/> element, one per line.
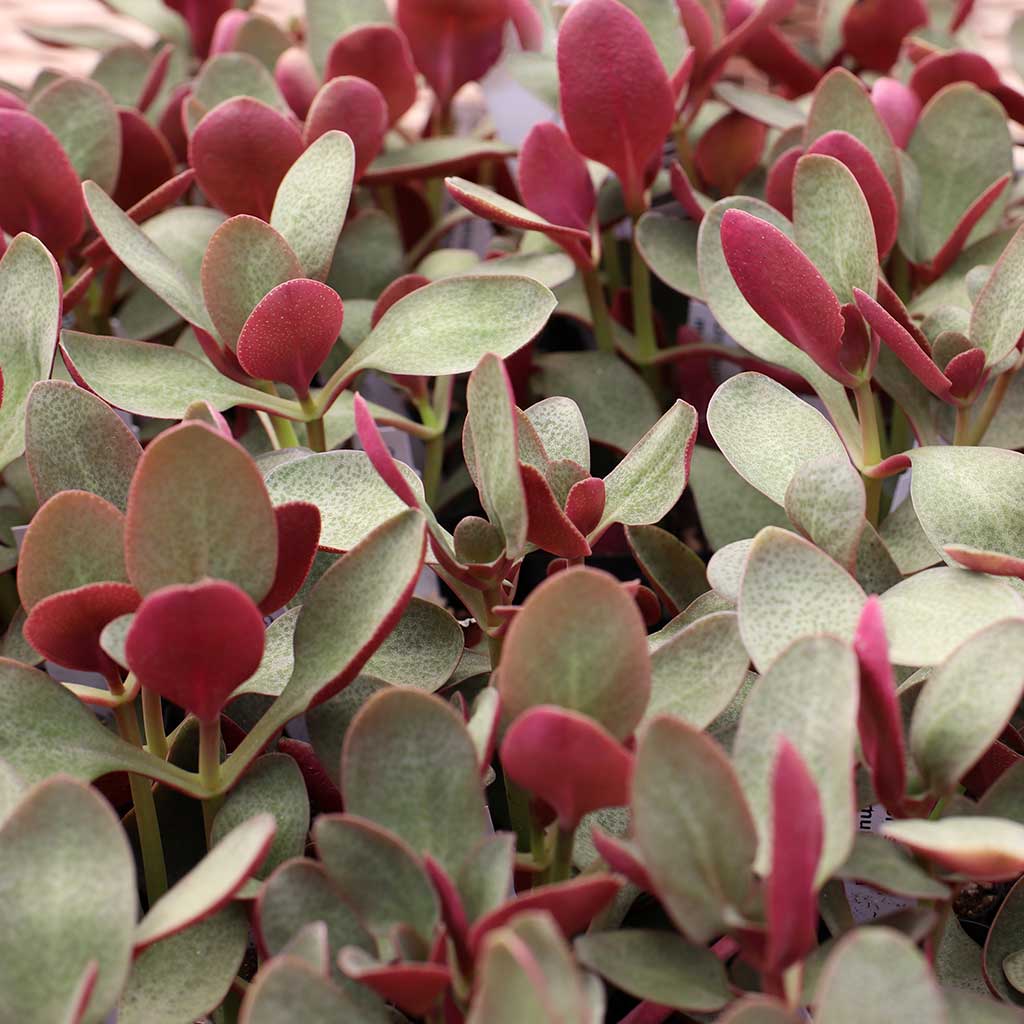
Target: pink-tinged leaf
<point x="879" y="721"/>
<point x="729" y="150"/>
<point x="453" y="42"/>
<point x="745" y="22"/>
<point x="785" y="289"/>
<point x="322" y="791"/>
<point x="83" y="993"/>
<point x="154" y="78"/>
<point x="171" y="121"/>
<point x="859" y="347"/>
<point x="573" y="905"/>
<point x="298" y="531"/>
<point x="374" y="446"/>
<point x="966" y="373"/>
<point x="991" y="562"/>
<point x="941" y="69"/>
<point x="585" y="504"/>
<point x="225" y="32"/>
<point x="66" y="627"/>
<point x="39" y="189"/>
<point x="984" y="849"/>
<point x="398" y="289"/>
<point x="9" y="101"/>
<point x="684" y="195"/>
<point x="568" y="761"/>
<point x="453" y="911"/>
<point x="954" y="245"/>
<point x="381" y="55"/>
<point x="778" y="188"/>
<point x="772" y="52"/>
<point x="553" y="178"/>
<point x="240" y="152"/>
<point x="297" y="79"/>
<point x="893" y="305"/>
<point x="195" y="644"/>
<point x="146" y="159"/>
<point x="904" y="345"/>
<point x="353" y="106"/>
<point x="873" y="30"/>
<point x="202" y="16"/>
<point x="623" y="857"/>
<point x="877" y="191"/>
<point x="898" y="107"/>
<point x="892" y="466"/>
<point x="548" y="526"/>
<point x="797" y="838"/>
<point x="608" y="70"/>
<point x="414" y="988"/>
<point x="290" y="333"/>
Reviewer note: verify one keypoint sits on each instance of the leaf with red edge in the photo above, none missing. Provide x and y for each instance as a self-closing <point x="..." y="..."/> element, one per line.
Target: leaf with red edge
<point x="39" y="189"/>
<point x="147" y="161"/>
<point x="195" y="644"/>
<point x="850" y="151"/>
<point x="608" y="70"/>
<point x="939" y="69"/>
<point x="873" y="31"/>
<point x="298" y="530"/>
<point x="879" y="720"/>
<point x="379" y="455"/>
<point x="290" y="333"/>
<point x="572" y="904"/>
<point x="985" y="849"/>
<point x="791" y="898"/>
<point x="66" y="627"/>
<point x="353" y="106"/>
<point x="553" y="178"/>
<point x="548" y="526"/>
<point x="415" y="988"/>
<point x="966" y="373"/>
<point x="380" y="55"/>
<point x="898" y="107"/>
<point x="785" y="289"/>
<point x="730" y="150"/>
<point x="398" y="289"/>
<point x="568" y="761"/>
<point x="778" y="187"/>
<point x="585" y="504"/>
<point x="241" y="151"/>
<point x="297" y="79"/>
<point x="623" y="857"/>
<point x="685" y="195"/>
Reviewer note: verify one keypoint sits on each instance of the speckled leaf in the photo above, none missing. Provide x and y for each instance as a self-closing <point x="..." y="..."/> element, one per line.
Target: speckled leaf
<point x="669" y="247"/>
<point x="288" y="986"/>
<point x="422" y="650"/>
<point x="998" y="311"/>
<point x="825" y="501"/>
<point x="1004" y="940"/>
<point x="881" y="863"/>
<point x="434" y="158"/>
<point x="228" y="75"/>
<point x="562" y="431"/>
<point x="674" y="570"/>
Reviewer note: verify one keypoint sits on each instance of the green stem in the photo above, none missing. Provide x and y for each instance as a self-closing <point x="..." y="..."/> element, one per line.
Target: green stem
<point x="872" y="447"/>
<point x="153" y="719"/>
<point x="153" y="868"/>
<point x="434" y="416"/>
<point x="643" y="313"/>
<point x="901" y="279"/>
<point x="209" y="771"/>
<point x="991" y="405"/>
<point x="433" y="463"/>
<point x="314" y="426"/>
<point x="561" y="861"/>
<point x="962" y="430"/>
<point x="598" y="311"/>
<point x="610" y="258"/>
<point x="684" y="152"/>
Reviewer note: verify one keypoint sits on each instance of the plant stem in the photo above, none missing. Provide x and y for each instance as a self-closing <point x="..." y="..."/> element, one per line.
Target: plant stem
<point x="314" y="426"/>
<point x="960" y="434"/>
<point x="153" y="719"/>
<point x="643" y="313"/>
<point x="153" y="868"/>
<point x="598" y="310"/>
<point x="283" y="428"/>
<point x="561" y="861"/>
<point x="872" y="448"/>
<point x="209" y="771"/>
<point x="991" y="405"/>
<point x="612" y="264"/>
<point x="684" y="153"/>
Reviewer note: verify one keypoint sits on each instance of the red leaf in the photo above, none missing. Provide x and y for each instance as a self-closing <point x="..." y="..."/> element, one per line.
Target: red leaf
<point x="171" y="122"/>
<point x="9" y="101"/>
<point x="240" y="151"/>
<point x="785" y="289"/>
<point x="778" y="188"/>
<point x="553" y="179"/>
<point x="298" y="531"/>
<point x="453" y="911"/>
<point x="961" y="14"/>
<point x="873" y="30"/>
<point x="567" y="760"/>
<point x="745" y="22"/>
<point x="196" y="643"/>
<point x="413" y="987"/>
<point x="879" y="720"/>
<point x="966" y="373"/>
<point x="729" y="150"/>
<point x="146" y="159"/>
<point x="201" y="16"/>
<point x="773" y="53"/>
<point x="39" y="189"/>
<point x="377" y="451"/>
<point x="297" y="79"/>
<point x="585" y="503"/>
<point x="797" y="839"/>
<point x="353" y="106"/>
<point x="66" y="627"/>
<point x="290" y="333"/>
<point x="700" y="32"/>
<point x="608" y="71"/>
<point x="381" y="55"/>
<point x="877" y="191"/>
<point x="898" y="107"/>
<point x="323" y="793"/>
<point x="999" y="758"/>
<point x="622" y="858"/>
<point x="155" y="78"/>
<point x="549" y="527"/>
<point x="684" y="194"/>
<point x="398" y="289"/>
<point x="225" y="32"/>
<point x="938" y="70"/>
<point x="995" y="563"/>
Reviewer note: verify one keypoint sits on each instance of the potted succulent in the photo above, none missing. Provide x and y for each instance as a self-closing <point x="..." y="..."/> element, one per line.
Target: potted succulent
<point x="713" y="710"/>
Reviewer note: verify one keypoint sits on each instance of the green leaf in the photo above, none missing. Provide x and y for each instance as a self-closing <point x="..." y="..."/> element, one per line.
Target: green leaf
<point x="122" y="70"/>
<point x="12" y="789"/>
<point x="833" y="225"/>
<point x="58" y="827"/>
<point x="89" y="37"/>
<point x="187" y="975"/>
<point x="225" y="76"/>
<point x="273" y="784"/>
<point x="211" y="883"/>
<point x="877" y="974"/>
<point x="75" y="441"/>
<point x="562" y="431"/>
<point x="661" y="19"/>
<point x="145" y="259"/>
<point x="82" y="116"/>
<point x="966" y="702"/>
<point x="696" y="673"/>
<point x="491" y="431"/>
<point x="766" y="107"/>
<point x="329" y="722"/>
<point x="446" y="327"/>
<point x="368" y="256"/>
<point x="410" y="766"/>
<point x="579" y="642"/>
<point x="433" y="158"/>
<point x="767" y="433"/>
<point x="668" y="246"/>
<point x="326" y="20"/>
<point x="791" y="589"/>
<point x="1004" y="940"/>
<point x="648" y="481"/>
<point x="968" y="1008"/>
<point x="694" y="828"/>
<point x="882" y="864"/>
<point x="288" y="987"/>
<point x="616" y="403"/>
<point x="658" y="966"/>
<point x="199" y="509"/>
<point x="983" y="848"/>
<point x="903" y="535"/>
<point x="728" y="507"/>
<point x="825" y="501"/>
<point x="758" y="1009"/>
<point x="312" y="200"/>
<point x="30" y="308"/>
<point x="960" y="146"/>
<point x="167" y="24"/>
<point x="929" y="615"/>
<point x="726" y="568"/>
<point x="809" y="696"/>
<point x="675" y="571"/>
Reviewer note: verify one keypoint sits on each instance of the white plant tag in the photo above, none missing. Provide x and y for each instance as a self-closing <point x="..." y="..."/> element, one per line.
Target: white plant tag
<point x="866" y="902"/>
